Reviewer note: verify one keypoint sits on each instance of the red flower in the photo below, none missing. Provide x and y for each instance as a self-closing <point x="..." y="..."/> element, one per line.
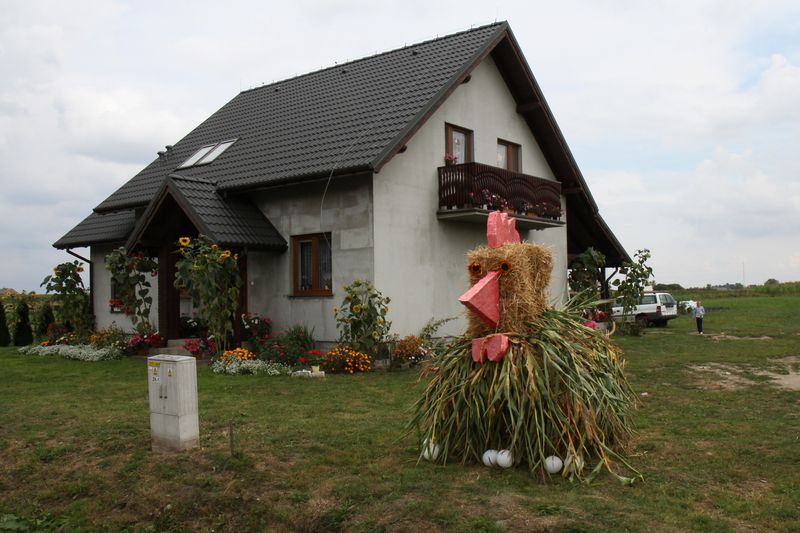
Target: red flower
<point x="302" y="360"/>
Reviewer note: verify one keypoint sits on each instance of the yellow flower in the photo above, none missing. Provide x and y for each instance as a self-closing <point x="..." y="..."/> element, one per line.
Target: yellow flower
<point x="184" y="241"/>
<point x="374" y="334"/>
<point x="335" y="310"/>
<point x="214" y="247"/>
<point x="356" y="309"/>
<point x="380" y="322"/>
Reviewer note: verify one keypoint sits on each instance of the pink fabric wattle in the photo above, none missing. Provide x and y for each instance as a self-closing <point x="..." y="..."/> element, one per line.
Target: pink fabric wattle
<point x="491" y="347"/>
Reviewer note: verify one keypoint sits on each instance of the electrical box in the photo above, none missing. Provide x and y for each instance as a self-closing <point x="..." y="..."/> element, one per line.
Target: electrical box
<point x="174" y="422"/>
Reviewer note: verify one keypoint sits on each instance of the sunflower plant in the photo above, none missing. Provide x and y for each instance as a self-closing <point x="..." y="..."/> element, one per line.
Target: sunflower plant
<point x="130" y="273"/>
<point x="70" y="299"/>
<point x="211" y="275"/>
<point x="361" y="319"/>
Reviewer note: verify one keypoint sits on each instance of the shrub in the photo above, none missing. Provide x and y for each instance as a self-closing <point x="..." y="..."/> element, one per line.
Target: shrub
<point x="41" y="318"/>
<point x="361" y="320"/>
<point x="80" y="352"/>
<point x="255" y="326"/>
<point x="407" y="350"/>
<point x="433" y="345"/>
<point x="346" y="360"/>
<point x="5" y="338"/>
<point x="288" y="347"/>
<point x="110" y="337"/>
<point x="23" y="335"/>
<point x="200" y="347"/>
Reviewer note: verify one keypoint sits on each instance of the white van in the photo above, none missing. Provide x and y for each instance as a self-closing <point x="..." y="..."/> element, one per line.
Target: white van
<point x="656" y="308"/>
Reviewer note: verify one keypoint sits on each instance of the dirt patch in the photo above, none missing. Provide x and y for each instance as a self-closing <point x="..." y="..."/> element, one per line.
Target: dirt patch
<point x="725" y="337"/>
<point x="783" y="373"/>
<point x="718" y="376"/>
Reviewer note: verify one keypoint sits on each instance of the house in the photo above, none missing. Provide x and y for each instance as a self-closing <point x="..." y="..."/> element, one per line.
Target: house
<point x="383" y="168"/>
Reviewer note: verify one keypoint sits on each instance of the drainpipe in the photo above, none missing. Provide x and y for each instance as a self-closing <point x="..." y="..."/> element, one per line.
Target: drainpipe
<point x="91" y="281"/>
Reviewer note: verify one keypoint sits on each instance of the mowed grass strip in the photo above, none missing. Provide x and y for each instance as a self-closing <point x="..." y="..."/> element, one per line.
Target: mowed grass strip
<point x="330" y="454"/>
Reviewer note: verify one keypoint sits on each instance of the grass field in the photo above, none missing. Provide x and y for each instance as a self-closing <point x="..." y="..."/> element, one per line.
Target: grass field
<point x="717" y="441"/>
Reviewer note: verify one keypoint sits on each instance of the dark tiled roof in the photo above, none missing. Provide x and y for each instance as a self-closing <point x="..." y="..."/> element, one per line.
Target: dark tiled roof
<point x="228" y="221"/>
<point x="340" y="118"/>
<point x="99" y="228"/>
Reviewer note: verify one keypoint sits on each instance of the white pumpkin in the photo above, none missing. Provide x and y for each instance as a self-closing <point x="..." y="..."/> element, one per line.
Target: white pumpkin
<point x="490" y="457"/>
<point x="430" y="451"/>
<point x="504" y="459"/>
<point x="553" y="464"/>
<point x="573" y="464"/>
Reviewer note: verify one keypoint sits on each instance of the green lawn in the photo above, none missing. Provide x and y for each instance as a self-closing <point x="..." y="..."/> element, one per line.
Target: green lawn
<point x="717" y="454"/>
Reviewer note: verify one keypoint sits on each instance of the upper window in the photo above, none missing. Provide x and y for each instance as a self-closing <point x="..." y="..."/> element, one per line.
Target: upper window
<point x="508" y="155"/>
<point x="648" y="299"/>
<point x="311" y="264"/>
<point x="458" y="144"/>
<point x="207" y="154"/>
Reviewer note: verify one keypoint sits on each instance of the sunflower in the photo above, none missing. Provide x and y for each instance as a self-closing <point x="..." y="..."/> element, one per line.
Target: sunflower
<point x="356" y="309"/>
<point x="184" y="241"/>
<point x="214" y="247"/>
<point x="374" y="334"/>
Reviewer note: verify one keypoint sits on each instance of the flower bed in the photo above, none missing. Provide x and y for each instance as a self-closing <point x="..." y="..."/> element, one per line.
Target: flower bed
<point x="78" y="352"/>
<point x="345" y="360"/>
<point x="243" y="361"/>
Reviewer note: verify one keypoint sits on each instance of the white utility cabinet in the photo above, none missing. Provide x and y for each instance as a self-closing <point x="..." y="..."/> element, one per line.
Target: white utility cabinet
<point x="174" y="422"/>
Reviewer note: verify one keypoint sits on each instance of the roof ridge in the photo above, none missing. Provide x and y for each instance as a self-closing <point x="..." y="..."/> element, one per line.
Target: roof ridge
<point x="341" y="65"/>
<point x="198" y="179"/>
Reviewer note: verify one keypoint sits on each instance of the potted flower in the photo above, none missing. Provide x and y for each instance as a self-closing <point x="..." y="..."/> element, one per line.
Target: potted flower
<point x="314" y="359"/>
<point x="450" y="159"/>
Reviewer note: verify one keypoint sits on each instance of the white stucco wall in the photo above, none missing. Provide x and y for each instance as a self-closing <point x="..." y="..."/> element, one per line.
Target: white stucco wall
<point x="419" y="261"/>
<point x="347" y="214"/>
<point x="101" y="293"/>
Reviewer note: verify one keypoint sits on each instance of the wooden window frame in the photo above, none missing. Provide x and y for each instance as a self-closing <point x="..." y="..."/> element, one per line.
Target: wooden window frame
<point x="315" y="238"/>
<point x="448" y="141"/>
<point x="513" y="158"/>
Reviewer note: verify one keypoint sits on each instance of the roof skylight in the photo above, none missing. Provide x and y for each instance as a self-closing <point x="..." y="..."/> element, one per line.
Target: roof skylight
<point x="207" y="154"/>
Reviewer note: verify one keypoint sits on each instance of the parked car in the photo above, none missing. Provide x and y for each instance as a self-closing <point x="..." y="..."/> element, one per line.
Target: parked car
<point x="656" y="308"/>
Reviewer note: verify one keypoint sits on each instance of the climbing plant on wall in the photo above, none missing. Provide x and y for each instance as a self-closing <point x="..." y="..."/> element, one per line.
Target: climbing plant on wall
<point x="130" y="273"/>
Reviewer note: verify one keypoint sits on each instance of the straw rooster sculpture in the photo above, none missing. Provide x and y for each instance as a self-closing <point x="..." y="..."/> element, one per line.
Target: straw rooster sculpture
<point x="526" y="378"/>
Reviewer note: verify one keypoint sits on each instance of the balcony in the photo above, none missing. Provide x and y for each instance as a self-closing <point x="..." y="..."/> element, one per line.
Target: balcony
<point x="470" y="191"/>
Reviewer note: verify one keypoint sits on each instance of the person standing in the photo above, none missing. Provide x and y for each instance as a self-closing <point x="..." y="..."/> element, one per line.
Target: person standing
<point x="699" y="313"/>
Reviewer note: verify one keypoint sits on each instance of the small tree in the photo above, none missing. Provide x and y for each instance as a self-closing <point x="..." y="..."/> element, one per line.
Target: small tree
<point x="631" y="287"/>
<point x="584" y="276"/>
<point x="70" y="300"/>
<point x="129" y="274"/>
<point x="5" y="338"/>
<point x="211" y="275"/>
<point x="23" y="335"/>
<point x="361" y="320"/>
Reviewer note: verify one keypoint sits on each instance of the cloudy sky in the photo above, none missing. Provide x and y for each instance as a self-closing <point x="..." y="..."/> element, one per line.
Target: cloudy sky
<point x="684" y="117"/>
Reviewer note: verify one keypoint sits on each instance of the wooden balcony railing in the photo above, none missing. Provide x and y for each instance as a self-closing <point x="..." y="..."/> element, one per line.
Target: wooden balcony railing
<point x="480" y="186"/>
